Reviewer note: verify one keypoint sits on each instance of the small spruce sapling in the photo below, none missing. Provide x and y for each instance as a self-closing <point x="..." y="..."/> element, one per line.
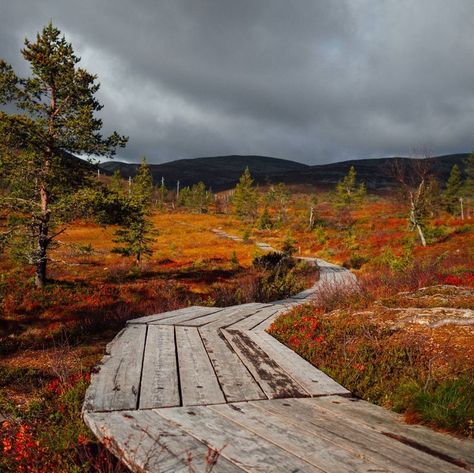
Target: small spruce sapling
<point x="136" y="233"/>
<point x="245" y="198"/>
<point x="289" y="248"/>
<point x="453" y="191"/>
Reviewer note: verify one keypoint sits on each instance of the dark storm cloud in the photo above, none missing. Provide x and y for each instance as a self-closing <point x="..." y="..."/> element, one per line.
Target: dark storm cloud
<point x="313" y="81"/>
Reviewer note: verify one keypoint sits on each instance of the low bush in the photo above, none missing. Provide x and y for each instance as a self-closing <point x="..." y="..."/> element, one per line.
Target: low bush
<point x="268" y="261"/>
<point x="48" y="435"/>
<point x="356" y="261"/>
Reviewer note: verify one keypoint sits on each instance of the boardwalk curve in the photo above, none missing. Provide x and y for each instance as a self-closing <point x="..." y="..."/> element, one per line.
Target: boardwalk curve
<point x="174" y="385"/>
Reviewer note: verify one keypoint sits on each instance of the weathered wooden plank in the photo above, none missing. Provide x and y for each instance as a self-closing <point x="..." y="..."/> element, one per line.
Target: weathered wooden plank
<point x="276" y="429"/>
<point x="251" y="321"/>
<point x="265" y="324"/>
<point x="199" y="384"/>
<point x="173" y="313"/>
<point x="306" y="294"/>
<point x="264" y="246"/>
<point x="235" y="313"/>
<point x="388" y="422"/>
<point x="220" y="317"/>
<point x="359" y="439"/>
<point x="242" y="447"/>
<point x="160" y="385"/>
<point x="183" y="318"/>
<point x="273" y="380"/>
<point x="116" y="385"/>
<point x="148" y="443"/>
<point x="287" y="304"/>
<point x="234" y="378"/>
<point x="314" y="381"/>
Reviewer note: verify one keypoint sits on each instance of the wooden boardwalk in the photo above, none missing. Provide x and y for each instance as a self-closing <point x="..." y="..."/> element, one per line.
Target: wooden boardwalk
<point x="173" y="385"/>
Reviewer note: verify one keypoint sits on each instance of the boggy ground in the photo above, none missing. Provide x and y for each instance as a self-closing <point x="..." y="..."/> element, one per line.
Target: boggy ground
<point x="50" y="339"/>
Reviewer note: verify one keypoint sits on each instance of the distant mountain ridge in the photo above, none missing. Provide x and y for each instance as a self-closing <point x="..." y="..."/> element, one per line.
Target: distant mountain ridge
<point x="222" y="172"/>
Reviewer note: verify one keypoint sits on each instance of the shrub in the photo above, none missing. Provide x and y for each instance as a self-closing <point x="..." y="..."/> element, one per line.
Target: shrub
<point x="284" y="280"/>
<point x="234" y="261"/>
<point x="289" y="248"/>
<point x="268" y="260"/>
<point x="356" y="261"/>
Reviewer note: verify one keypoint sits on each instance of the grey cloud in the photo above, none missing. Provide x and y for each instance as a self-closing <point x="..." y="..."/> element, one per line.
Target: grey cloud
<point x="313" y="80"/>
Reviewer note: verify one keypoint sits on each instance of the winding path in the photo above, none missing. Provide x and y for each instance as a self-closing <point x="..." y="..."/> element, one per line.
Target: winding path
<point x="174" y="385"/>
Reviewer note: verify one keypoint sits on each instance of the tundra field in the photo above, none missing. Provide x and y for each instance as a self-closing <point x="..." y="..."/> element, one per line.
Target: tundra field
<point x="403" y="338"/>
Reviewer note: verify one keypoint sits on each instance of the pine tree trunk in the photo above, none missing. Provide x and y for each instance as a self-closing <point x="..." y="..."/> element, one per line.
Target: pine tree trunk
<point x="42" y="245"/>
<point x="43" y="227"/>
<point x="40" y="275"/>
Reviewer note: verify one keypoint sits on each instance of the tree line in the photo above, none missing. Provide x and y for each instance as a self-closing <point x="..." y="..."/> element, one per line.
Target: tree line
<point x="43" y="186"/>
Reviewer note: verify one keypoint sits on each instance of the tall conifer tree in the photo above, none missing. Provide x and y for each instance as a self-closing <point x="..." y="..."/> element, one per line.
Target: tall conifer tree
<point x="55" y="115"/>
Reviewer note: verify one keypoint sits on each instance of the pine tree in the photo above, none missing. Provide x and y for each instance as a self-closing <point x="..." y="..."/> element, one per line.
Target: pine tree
<point x="200" y="198"/>
<point x="347" y="190"/>
<point x="54" y="115"/>
<point x="137" y="232"/>
<point x="142" y="185"/>
<point x="453" y="191"/>
<point x="245" y="197"/>
<point x="468" y="188"/>
<point x="196" y="199"/>
<point x="265" y="221"/>
<point x="116" y="184"/>
<point x="289" y="248"/>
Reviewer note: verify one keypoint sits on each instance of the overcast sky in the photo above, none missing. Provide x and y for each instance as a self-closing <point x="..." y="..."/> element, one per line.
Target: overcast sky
<point x="314" y="81"/>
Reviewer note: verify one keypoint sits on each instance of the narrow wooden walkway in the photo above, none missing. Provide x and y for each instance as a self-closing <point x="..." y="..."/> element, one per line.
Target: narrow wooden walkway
<point x="173" y="385"/>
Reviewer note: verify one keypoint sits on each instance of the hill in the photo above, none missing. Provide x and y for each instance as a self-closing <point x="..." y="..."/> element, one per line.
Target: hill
<point x="219" y="173"/>
<point x="222" y="172"/>
<point x="374" y="172"/>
